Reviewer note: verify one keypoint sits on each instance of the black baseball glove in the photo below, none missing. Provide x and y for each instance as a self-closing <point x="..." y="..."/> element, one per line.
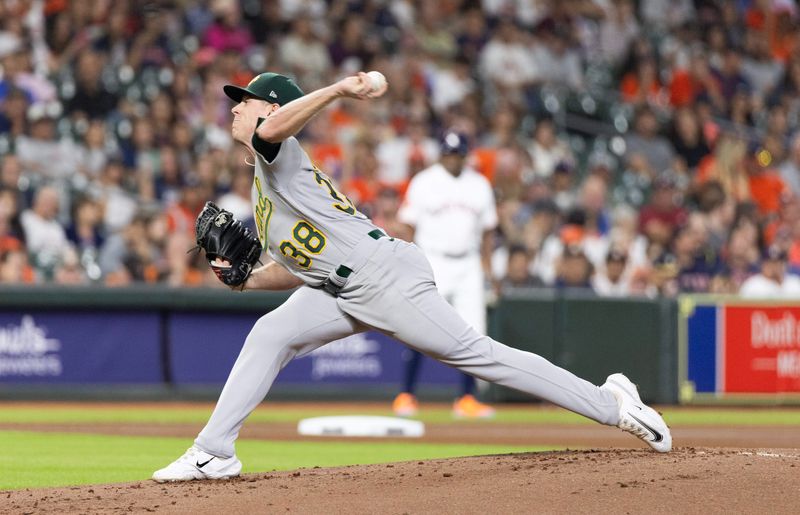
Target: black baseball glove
<point x="231" y="248"/>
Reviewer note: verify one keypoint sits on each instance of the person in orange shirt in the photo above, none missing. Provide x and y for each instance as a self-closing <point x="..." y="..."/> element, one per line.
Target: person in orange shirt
<point x="697" y="81"/>
<point x="15" y="268"/>
<point x="766" y="185"/>
<point x="643" y="85"/>
<point x="360" y="176"/>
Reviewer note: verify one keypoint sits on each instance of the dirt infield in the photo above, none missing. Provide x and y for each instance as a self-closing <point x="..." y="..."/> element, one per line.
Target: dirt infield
<point x="689" y="480"/>
<point x="713" y="470"/>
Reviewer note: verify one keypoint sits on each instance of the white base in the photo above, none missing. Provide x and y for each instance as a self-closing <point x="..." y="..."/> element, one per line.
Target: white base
<point x="360" y="425"/>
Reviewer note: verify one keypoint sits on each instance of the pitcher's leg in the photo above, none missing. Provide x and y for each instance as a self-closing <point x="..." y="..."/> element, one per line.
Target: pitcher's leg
<point x="429" y="324"/>
<point x="307" y="320"/>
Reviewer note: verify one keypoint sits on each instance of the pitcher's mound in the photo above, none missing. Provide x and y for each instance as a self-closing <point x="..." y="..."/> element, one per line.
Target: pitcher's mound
<point x="687" y="480"/>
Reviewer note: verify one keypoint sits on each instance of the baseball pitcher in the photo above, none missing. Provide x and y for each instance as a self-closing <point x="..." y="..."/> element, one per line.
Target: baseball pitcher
<point x="351" y="278"/>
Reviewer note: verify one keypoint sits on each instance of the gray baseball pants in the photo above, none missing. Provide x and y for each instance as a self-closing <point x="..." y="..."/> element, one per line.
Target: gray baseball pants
<point x="391" y="290"/>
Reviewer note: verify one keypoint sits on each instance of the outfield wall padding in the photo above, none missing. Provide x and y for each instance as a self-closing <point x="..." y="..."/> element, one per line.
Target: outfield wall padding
<point x="178" y="337"/>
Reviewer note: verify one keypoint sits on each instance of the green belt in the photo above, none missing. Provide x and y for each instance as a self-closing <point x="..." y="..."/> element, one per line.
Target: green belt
<point x="376" y="234"/>
<point x="343" y="271"/>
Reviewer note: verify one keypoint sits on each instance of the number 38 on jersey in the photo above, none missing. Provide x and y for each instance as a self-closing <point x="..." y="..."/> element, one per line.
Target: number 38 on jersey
<point x="306" y="241"/>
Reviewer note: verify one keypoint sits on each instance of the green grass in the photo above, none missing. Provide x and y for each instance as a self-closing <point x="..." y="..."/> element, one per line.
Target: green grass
<point x="272" y="413"/>
<point x="134" y="414"/>
<point x="37" y="460"/>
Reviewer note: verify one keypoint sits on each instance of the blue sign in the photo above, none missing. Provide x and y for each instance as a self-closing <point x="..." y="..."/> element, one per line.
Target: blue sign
<point x="702" y="349"/>
<point x="80" y="347"/>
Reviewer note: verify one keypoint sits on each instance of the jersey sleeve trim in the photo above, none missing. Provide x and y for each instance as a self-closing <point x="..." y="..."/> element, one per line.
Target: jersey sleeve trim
<point x="269" y="151"/>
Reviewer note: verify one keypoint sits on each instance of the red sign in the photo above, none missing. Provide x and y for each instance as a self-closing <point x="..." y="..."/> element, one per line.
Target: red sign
<point x="760" y="349"/>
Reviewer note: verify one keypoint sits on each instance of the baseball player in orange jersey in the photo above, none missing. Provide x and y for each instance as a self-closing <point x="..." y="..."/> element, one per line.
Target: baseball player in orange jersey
<point x="351" y="277"/>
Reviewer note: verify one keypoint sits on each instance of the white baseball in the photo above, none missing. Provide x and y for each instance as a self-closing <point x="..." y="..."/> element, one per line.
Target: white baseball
<point x="376" y="80"/>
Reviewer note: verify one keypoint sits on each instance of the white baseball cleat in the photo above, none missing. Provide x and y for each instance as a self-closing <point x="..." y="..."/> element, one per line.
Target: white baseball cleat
<point x="637" y="418"/>
<point x="197" y="464"/>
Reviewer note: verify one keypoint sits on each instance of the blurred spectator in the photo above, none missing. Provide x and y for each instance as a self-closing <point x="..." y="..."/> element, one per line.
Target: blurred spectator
<point x="546" y="149"/>
<point x="688" y="140"/>
<point x="562" y="184"/>
<point x="665" y="14"/>
<point x="659" y="219"/>
<point x="766" y="185"/>
<point x="349" y="48"/>
<point x="694" y="82"/>
<point x="182" y="213"/>
<point x="646" y="142"/>
<point x="643" y="85"/>
<point x="625" y="237"/>
<point x="617" y="31"/>
<point x="86" y="235"/>
<point x="69" y="270"/>
<point x="402" y="156"/>
<point x="13" y="192"/>
<point x="92" y="154"/>
<point x="741" y="255"/>
<point x="554" y="60"/>
<point x="634" y="183"/>
<point x="593" y="194"/>
<point x="237" y="200"/>
<point x="387" y="205"/>
<point x="574" y="270"/>
<point x="361" y="183"/>
<point x="119" y="206"/>
<point x="729" y="75"/>
<point x="790" y="168"/>
<point x="773" y="282"/>
<point x="570" y="234"/>
<point x="10" y="237"/>
<point x="13" y="112"/>
<point x="726" y="165"/>
<point x="518" y="275"/>
<point x="303" y="55"/>
<point x="92" y="98"/>
<point x="473" y="35"/>
<point x="226" y="32"/>
<point x="503" y="128"/>
<point x="432" y="35"/>
<point x="43" y="154"/>
<point x="609" y="280"/>
<point x="45" y="238"/>
<point x="505" y="62"/>
<point x="165" y="185"/>
<point x="688" y="265"/>
<point x="15" y="269"/>
<point x="758" y="66"/>
<point x="720" y="210"/>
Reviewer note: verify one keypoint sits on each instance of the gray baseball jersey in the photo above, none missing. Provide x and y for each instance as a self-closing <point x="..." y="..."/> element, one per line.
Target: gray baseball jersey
<point x="313" y="229"/>
<point x="315" y="240"/>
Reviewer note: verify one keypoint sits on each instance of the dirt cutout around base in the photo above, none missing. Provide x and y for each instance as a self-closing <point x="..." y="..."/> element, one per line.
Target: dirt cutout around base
<point x="688" y="480"/>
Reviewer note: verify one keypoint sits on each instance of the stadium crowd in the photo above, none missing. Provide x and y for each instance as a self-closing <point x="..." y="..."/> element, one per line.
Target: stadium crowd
<point x="643" y="147"/>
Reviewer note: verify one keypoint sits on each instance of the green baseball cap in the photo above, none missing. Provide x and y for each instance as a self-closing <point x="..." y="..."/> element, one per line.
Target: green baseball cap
<point x="272" y="87"/>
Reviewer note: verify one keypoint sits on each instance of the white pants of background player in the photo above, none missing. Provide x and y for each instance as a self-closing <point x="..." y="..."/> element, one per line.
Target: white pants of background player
<point x="391" y="290"/>
<point x="460" y="282"/>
